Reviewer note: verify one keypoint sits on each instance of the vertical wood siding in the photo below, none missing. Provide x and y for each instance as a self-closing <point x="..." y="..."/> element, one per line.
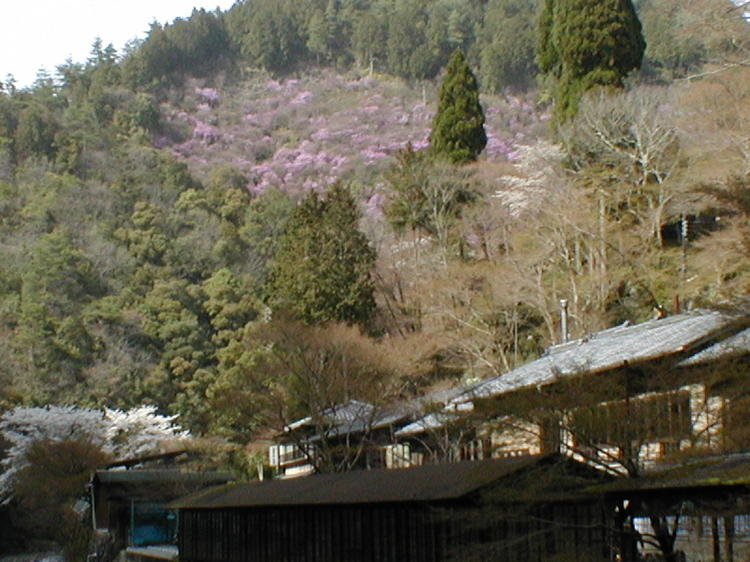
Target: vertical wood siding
<point x="381" y="533"/>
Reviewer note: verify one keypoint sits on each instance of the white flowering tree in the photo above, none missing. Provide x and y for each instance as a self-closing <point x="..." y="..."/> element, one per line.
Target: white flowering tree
<point x="121" y="434"/>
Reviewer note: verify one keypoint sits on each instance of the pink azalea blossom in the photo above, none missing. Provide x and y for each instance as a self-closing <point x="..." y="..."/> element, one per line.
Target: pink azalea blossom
<point x="302" y="98"/>
<point x="208" y="95"/>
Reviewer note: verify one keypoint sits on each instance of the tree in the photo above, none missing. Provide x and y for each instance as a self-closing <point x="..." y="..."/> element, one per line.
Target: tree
<point x="584" y="44"/>
<point x="427" y="195"/>
<point x="458" y="127"/>
<point x="122" y="434"/>
<point x="46" y="489"/>
<point x="268" y="33"/>
<point x="281" y="371"/>
<point x="322" y="268"/>
<point x="51" y="454"/>
<point x="507" y="38"/>
<point x="36" y="132"/>
<point x="627" y="147"/>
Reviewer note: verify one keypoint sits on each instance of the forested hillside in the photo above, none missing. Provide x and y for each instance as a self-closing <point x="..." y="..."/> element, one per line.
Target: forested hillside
<point x="173" y="218"/>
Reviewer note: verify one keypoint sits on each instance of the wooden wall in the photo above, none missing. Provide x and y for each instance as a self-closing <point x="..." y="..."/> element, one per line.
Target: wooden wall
<point x="401" y="532"/>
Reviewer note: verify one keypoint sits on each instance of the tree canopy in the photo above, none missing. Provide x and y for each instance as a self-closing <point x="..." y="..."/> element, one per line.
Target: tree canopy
<point x="458" y="127"/>
<point x="584" y="44"/>
<point x="323" y="265"/>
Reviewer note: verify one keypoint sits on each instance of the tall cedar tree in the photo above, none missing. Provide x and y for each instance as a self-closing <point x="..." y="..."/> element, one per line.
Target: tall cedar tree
<point x="587" y="43"/>
<point x="458" y="128"/>
<point x="322" y="269"/>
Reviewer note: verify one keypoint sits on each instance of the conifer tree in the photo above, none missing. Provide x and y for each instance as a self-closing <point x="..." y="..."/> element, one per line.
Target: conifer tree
<point x="322" y="268"/>
<point x="587" y="43"/>
<point x="458" y="127"/>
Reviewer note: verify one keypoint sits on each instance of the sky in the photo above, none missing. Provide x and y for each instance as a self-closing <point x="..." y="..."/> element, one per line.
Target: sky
<point x="44" y="33"/>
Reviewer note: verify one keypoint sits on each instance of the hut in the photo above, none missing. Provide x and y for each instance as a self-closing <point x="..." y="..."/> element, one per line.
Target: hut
<point x="129" y="505"/>
<point x="524" y="508"/>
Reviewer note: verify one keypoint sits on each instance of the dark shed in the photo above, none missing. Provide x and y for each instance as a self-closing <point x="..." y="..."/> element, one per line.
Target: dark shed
<point x="524" y="508"/>
<point x="129" y="504"/>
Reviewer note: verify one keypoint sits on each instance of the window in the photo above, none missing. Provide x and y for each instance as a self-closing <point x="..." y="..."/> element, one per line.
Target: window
<point x="398" y="455"/>
<point x="152" y="524"/>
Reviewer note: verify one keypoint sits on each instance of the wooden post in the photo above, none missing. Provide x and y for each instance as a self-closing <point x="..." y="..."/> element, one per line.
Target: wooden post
<point x="715" y="537"/>
<point x="729" y="538"/>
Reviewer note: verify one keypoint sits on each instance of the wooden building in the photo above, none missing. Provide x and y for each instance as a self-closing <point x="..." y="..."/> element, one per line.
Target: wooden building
<point x="129" y="505"/>
<point x="525" y="508"/>
<point x="627" y="396"/>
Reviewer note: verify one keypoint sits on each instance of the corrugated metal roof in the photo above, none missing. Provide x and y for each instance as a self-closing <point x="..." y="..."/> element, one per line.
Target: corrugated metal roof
<point x="613" y="348"/>
<point x="425" y="483"/>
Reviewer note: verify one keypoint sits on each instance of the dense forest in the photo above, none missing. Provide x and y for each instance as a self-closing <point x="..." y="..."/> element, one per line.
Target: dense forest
<point x="187" y="223"/>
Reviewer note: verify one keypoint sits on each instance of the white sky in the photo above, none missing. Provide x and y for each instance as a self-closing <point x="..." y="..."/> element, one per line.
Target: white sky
<point x="43" y="33"/>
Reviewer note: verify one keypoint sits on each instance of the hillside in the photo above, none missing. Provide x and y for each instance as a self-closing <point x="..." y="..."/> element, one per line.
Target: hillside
<point x="242" y="221"/>
<point x="305" y="133"/>
<point x="145" y="198"/>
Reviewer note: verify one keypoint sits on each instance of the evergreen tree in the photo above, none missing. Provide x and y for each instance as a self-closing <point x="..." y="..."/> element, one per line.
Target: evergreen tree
<point x="583" y="44"/>
<point x="458" y="128"/>
<point x="322" y="268"/>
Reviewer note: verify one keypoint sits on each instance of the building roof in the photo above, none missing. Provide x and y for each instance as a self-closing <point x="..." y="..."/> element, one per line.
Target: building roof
<point x="737" y="344"/>
<point x="137" y="476"/>
<point x="355" y="416"/>
<point x="436" y="482"/>
<point x="724" y="470"/>
<point x="625" y="345"/>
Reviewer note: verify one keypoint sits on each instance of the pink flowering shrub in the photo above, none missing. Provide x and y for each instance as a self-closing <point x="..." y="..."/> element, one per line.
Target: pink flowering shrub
<point x="205" y="132"/>
<point x="302" y="134"/>
<point x="302" y="98"/>
<point x="209" y="96"/>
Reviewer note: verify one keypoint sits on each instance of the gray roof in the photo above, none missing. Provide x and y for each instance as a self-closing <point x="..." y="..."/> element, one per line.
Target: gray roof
<point x="357" y="420"/>
<point x="433" y="420"/>
<point x="620" y="346"/>
<point x="435" y="482"/>
<point x="355" y="416"/>
<point x="735" y="345"/>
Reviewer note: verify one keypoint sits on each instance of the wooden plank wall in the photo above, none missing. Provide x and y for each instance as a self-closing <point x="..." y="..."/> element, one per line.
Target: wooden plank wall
<point x="381" y="533"/>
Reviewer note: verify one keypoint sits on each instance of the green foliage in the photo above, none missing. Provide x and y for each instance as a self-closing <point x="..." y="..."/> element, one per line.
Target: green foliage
<point x="408" y="54"/>
<point x="507" y="40"/>
<point x="262" y="230"/>
<point x="326" y="37"/>
<point x="412" y="39"/>
<point x="370" y="34"/>
<point x="669" y="50"/>
<point x="323" y="265"/>
<point x="195" y="45"/>
<point x="57" y="282"/>
<point x="269" y="33"/>
<point x="35" y="134"/>
<point x="458" y="127"/>
<point x="585" y="44"/>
